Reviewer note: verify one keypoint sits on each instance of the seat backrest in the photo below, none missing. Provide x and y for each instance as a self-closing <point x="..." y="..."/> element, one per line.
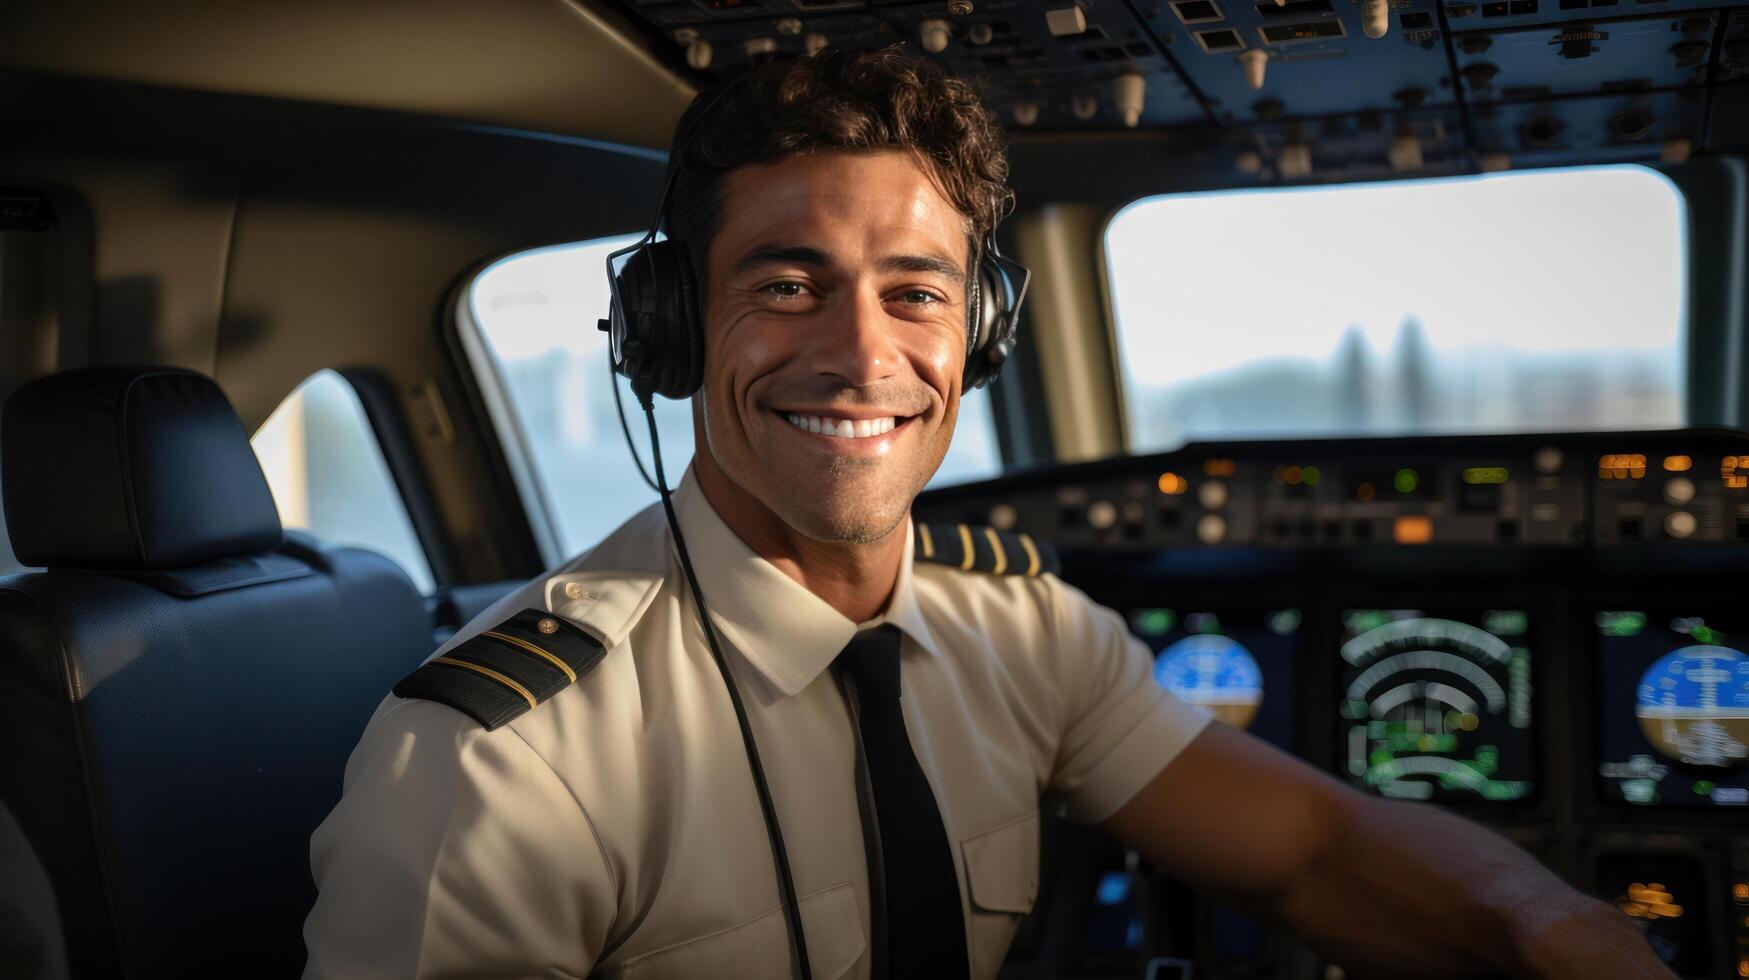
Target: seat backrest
<point x="180" y="689"/>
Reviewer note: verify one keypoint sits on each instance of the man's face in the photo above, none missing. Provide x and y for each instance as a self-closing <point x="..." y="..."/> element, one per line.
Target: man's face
<point x="835" y="338"/>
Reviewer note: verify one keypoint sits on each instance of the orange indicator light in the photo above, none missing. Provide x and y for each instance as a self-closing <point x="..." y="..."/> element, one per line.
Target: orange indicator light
<point x="1365" y="492"/>
<point x="1621" y="466"/>
<point x="1413" y="530"/>
<point x="1218" y="467"/>
<point x="1173" y="484"/>
<point x="1743" y="968"/>
<point x="1740" y="891"/>
<point x="1734" y="470"/>
<point x="1678" y="464"/>
<point x="1292" y="475"/>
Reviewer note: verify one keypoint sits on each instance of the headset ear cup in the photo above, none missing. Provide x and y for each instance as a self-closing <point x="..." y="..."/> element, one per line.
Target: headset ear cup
<point x="990" y="327"/>
<point x="688" y="368"/>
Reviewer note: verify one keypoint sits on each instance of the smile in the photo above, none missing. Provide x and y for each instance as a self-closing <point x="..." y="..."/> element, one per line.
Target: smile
<point x="843" y="428"/>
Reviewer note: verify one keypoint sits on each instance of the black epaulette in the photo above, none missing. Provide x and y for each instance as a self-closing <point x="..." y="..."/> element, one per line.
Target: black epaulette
<point x="983" y="549"/>
<point x="497" y="675"/>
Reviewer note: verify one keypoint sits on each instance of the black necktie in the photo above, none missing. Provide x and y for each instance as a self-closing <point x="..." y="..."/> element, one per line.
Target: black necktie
<point x="926" y="932"/>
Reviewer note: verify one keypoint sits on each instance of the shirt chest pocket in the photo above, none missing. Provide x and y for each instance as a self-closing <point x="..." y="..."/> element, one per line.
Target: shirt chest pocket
<point x="1002" y="876"/>
<point x="759" y="947"/>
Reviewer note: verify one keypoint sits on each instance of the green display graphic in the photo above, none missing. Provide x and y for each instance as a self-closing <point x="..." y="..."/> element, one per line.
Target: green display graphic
<point x="1435" y="707"/>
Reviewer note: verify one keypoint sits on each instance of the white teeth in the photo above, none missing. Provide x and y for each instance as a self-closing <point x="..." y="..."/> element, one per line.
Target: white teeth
<point x="843" y="428"/>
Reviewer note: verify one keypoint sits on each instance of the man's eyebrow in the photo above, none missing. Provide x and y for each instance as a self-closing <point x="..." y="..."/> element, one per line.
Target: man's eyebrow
<point x="923" y="263"/>
<point x="808" y="255"/>
<point x="781" y="255"/>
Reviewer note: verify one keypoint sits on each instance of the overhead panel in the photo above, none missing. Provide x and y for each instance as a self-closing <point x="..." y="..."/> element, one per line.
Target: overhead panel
<point x="1260" y="91"/>
<point x="1263" y="60"/>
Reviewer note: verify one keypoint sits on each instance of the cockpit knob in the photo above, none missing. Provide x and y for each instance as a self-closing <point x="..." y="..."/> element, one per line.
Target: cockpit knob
<point x="1375" y="17"/>
<point x="980" y="34"/>
<point x="1295" y="160"/>
<point x="760" y="47"/>
<point x="814" y="43"/>
<point x="1254" y="62"/>
<point x="1084" y="106"/>
<point x="698" y="50"/>
<point x="935" y="33"/>
<point x="1405" y="152"/>
<point x="1026" y="113"/>
<point x="1248" y="162"/>
<point x="1066" y="21"/>
<point x="1131" y="89"/>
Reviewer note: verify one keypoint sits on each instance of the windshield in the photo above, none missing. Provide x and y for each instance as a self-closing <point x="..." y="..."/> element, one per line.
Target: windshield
<point x="1549" y="300"/>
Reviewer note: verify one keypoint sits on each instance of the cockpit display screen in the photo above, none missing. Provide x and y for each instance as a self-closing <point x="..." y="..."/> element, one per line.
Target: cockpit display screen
<point x="1239" y="667"/>
<point x="1674" y="694"/>
<point x="1436" y="704"/>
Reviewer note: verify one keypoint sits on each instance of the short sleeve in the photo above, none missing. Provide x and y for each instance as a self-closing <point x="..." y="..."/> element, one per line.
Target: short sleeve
<point x="454" y="852"/>
<point x="1120" y="726"/>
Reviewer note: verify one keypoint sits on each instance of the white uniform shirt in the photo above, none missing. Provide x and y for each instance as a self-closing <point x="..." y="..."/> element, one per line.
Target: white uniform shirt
<point x="615" y="828"/>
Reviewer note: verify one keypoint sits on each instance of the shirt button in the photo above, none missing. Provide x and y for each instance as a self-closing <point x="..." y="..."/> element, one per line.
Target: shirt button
<point x="573" y="590"/>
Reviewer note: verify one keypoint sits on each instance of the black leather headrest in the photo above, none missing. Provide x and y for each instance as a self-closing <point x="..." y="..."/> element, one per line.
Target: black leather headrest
<point x="130" y="469"/>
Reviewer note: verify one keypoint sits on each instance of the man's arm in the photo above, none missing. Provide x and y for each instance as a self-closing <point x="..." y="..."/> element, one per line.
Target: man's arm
<point x="1381" y="887"/>
<point x="455" y="852"/>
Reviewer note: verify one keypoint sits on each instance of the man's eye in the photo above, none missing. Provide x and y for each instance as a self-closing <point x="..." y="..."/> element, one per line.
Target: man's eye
<point x="786" y="290"/>
<point x="919" y="297"/>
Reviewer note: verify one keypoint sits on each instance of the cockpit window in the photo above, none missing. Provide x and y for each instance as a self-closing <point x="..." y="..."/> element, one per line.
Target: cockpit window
<point x="1549" y="300"/>
<point x="528" y="325"/>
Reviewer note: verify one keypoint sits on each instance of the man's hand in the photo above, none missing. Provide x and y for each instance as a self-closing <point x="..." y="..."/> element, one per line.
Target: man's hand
<point x="1383" y="888"/>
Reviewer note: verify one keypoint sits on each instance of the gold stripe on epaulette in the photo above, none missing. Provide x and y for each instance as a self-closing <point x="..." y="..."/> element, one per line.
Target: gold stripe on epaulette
<point x="489" y="672"/>
<point x="970" y="556"/>
<point x="1032" y="559"/>
<point x="1001" y="552"/>
<point x="928" y="541"/>
<point x="537" y="651"/>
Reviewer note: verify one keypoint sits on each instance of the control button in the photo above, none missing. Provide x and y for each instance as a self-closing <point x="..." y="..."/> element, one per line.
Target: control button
<point x="1213" y="494"/>
<point x="1026" y="113"/>
<point x="1678" y="490"/>
<point x="1130" y="89"/>
<point x="934" y="34"/>
<point x="1211" y="529"/>
<point x="1066" y="21"/>
<point x="1547" y="460"/>
<point x="1680" y="524"/>
<point x="1003" y="517"/>
<point x="1102" y="515"/>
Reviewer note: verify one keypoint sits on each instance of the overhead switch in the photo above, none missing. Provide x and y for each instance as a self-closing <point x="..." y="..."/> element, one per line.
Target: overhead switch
<point x="760" y="47"/>
<point x="1084" y="106"/>
<point x="935" y="32"/>
<point x="1254" y="62"/>
<point x="1026" y="113"/>
<point x="980" y="34"/>
<point x="1131" y="90"/>
<point x="814" y="43"/>
<point x="698" y="54"/>
<point x="1066" y="21"/>
<point x="1375" y="17"/>
<point x="1248" y="162"/>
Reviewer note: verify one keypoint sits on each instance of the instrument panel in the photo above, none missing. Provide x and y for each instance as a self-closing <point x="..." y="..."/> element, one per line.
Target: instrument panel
<point x="1545" y="633"/>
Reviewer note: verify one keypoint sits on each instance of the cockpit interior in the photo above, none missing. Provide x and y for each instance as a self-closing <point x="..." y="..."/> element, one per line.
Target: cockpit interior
<point x="1385" y="364"/>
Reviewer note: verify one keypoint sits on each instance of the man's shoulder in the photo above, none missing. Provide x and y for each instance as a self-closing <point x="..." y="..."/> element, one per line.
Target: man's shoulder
<point x="551" y="632"/>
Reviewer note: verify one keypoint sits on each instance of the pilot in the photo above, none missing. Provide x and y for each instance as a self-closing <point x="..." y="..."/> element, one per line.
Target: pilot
<point x="566" y="788"/>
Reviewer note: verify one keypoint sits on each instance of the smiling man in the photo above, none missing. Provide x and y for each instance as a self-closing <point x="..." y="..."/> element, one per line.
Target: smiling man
<point x="563" y="789"/>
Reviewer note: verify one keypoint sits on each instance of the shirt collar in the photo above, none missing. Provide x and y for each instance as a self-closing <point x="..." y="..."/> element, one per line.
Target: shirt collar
<point x="787" y="633"/>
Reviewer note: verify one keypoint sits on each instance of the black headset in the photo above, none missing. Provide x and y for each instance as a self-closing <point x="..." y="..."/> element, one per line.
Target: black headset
<point x="656" y="321"/>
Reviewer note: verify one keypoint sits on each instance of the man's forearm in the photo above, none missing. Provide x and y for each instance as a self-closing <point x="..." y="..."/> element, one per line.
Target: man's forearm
<point x="1407" y="889"/>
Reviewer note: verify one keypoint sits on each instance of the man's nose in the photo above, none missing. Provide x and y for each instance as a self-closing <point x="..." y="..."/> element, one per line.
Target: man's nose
<point x="856" y="342"/>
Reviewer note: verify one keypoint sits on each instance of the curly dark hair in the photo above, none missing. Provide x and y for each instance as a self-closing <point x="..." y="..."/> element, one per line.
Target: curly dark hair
<point x="843" y="100"/>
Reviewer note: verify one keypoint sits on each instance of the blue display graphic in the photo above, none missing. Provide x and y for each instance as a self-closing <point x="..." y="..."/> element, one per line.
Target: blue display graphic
<point x="1693" y="705"/>
<point x="1215" y="673"/>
